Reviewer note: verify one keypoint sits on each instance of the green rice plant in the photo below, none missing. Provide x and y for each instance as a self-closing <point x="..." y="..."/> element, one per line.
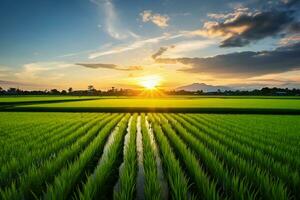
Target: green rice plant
<point x="279" y="141"/>
<point x="264" y="161"/>
<point x="234" y="187"/>
<point x="10" y="171"/>
<point x="153" y="188"/>
<point x="259" y="125"/>
<point x="205" y="187"/>
<point x="24" y="140"/>
<point x="284" y="156"/>
<point x="70" y="175"/>
<point x="32" y="183"/>
<point x="127" y="180"/>
<point x="96" y="184"/>
<point x="176" y="179"/>
<point x="265" y="184"/>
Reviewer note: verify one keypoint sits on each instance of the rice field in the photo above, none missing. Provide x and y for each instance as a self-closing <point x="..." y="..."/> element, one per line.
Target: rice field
<point x="183" y="102"/>
<point x="149" y="156"/>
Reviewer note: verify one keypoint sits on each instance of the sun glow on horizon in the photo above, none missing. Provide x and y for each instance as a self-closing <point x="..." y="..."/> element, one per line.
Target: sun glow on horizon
<point x="150" y="82"/>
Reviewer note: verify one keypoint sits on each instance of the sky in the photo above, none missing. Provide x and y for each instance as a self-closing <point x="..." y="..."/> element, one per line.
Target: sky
<point x="121" y="43"/>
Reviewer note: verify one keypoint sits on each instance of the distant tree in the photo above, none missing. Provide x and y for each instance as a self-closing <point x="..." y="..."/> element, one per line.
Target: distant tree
<point x="64" y="92"/>
<point x="200" y="92"/>
<point x="54" y="91"/>
<point x="70" y="90"/>
<point x="1" y="89"/>
<point x="12" y="91"/>
<point x="91" y="88"/>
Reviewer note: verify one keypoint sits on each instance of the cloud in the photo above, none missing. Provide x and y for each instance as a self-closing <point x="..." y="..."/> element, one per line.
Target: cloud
<point x="98" y="65"/>
<point x="37" y="74"/>
<point x="17" y="84"/>
<point x="189" y="45"/>
<point x="110" y="66"/>
<point x="112" y="23"/>
<point x="237" y="12"/>
<point x="158" y="19"/>
<point x="135" y="45"/>
<point x="290" y="40"/>
<point x="180" y="47"/>
<point x="38" y="70"/>
<point x="161" y="51"/>
<point x="5" y="72"/>
<point x="290" y="2"/>
<point x="242" y="64"/>
<point x="242" y="26"/>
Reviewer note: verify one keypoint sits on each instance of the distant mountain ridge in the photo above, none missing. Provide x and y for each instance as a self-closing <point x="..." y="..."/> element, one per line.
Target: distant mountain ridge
<point x="202" y="86"/>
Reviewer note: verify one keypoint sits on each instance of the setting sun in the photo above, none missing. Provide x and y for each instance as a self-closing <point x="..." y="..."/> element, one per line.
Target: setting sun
<point x="150" y="82"/>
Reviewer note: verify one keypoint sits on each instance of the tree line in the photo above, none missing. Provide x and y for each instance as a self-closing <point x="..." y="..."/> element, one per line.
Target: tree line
<point x="91" y="91"/>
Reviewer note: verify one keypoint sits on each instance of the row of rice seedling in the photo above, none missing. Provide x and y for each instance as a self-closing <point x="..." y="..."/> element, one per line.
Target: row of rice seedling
<point x="27" y="126"/>
<point x="12" y="169"/>
<point x="11" y="148"/>
<point x="282" y="125"/>
<point x="128" y="170"/>
<point x="36" y="137"/>
<point x="262" y="133"/>
<point x="177" y="181"/>
<point x="33" y="182"/>
<point x="153" y="186"/>
<point x="58" y="133"/>
<point x="267" y="162"/>
<point x="277" y="151"/>
<point x="230" y="187"/>
<point x="263" y="183"/>
<point x="19" y="137"/>
<point x="74" y="172"/>
<point x="10" y="128"/>
<point x="140" y="181"/>
<point x="101" y="181"/>
<point x="281" y="151"/>
<point x="279" y="170"/>
<point x="41" y="151"/>
<point x="26" y="138"/>
<point x="205" y="188"/>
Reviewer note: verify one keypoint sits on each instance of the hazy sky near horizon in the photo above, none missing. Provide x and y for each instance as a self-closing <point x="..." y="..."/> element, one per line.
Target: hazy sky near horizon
<point x="61" y="43"/>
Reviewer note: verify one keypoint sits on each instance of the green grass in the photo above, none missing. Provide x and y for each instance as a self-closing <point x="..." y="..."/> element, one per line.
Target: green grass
<point x="205" y="156"/>
<point x="181" y="103"/>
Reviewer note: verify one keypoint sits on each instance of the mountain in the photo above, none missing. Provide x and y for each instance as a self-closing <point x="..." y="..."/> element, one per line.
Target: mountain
<point x="204" y="87"/>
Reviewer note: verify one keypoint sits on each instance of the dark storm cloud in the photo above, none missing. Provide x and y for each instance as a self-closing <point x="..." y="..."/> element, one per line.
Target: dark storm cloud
<point x="110" y="66"/>
<point x="260" y="25"/>
<point x="243" y="27"/>
<point x="243" y="64"/>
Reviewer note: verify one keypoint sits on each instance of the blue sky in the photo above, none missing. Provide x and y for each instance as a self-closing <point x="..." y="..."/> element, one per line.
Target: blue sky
<point x="62" y="43"/>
